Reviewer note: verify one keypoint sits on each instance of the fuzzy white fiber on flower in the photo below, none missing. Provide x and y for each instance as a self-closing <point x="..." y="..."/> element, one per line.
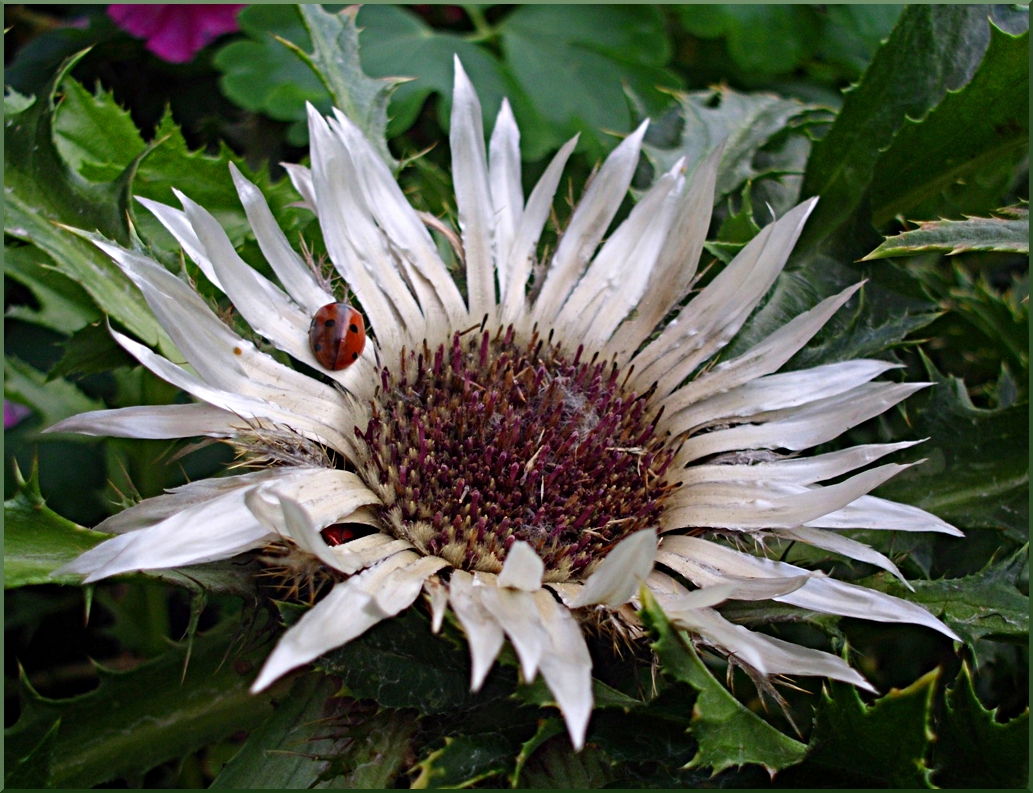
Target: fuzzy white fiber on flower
<point x="527" y="454"/>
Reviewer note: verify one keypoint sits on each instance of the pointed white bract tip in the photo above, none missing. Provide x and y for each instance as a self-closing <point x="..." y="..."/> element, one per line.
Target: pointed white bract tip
<point x="523" y="569"/>
<point x="618" y="576"/>
<point x="577" y="726"/>
<point x="461" y="78"/>
<point x="265" y="679"/>
<point x="635" y="138"/>
<point x="315" y="118"/>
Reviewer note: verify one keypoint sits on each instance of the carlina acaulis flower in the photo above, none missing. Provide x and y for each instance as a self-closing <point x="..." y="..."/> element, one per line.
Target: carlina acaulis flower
<point x="528" y="454"/>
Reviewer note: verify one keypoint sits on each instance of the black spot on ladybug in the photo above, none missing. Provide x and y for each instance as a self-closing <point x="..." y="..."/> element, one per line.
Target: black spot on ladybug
<point x="329" y="323"/>
<point x="317" y="347"/>
<point x="353" y="328"/>
<point x="355" y="355"/>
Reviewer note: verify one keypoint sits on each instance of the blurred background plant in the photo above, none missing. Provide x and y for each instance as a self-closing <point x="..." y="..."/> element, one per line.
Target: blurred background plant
<point x="911" y="123"/>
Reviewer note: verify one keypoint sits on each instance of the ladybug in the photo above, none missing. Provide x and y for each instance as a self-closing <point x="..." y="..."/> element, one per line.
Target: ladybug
<point x="337" y="533"/>
<point x="337" y="335"/>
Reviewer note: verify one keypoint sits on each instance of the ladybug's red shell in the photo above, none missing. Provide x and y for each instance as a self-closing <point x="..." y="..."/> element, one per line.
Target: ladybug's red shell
<point x="337" y="335"/>
<point x="337" y="533"/>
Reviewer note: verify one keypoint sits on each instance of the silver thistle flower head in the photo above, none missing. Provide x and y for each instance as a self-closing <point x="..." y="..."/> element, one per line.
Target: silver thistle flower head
<point x="531" y="454"/>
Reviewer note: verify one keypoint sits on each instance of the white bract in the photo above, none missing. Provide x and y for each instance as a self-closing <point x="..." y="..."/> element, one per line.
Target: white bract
<point x="469" y="522"/>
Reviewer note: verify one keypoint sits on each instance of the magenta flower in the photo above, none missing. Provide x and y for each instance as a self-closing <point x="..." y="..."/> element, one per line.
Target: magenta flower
<point x="13" y="413"/>
<point x="175" y="33"/>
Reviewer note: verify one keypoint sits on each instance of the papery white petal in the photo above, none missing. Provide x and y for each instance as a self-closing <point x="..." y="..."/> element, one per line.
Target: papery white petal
<point x="437" y="595"/>
<point x="871" y="512"/>
<point x="154" y="422"/>
<point x="514" y="610"/>
<point x="483" y="631"/>
<point x="301" y="178"/>
<point x="732" y="506"/>
<point x="473" y="195"/>
<point x="246" y="407"/>
<point x="177" y="223"/>
<point x="350" y="236"/>
<point x="794" y="470"/>
<point x="766" y="654"/>
<point x="217" y="528"/>
<point x="526" y="235"/>
<point x="158" y="508"/>
<point x="600" y="202"/>
<point x="566" y="666"/>
<point x="295" y="275"/>
<point x="507" y="192"/>
<point x="845" y="546"/>
<point x="775" y="392"/>
<point x="610" y="289"/>
<point x="800" y="428"/>
<point x="263" y="304"/>
<point x="706" y="563"/>
<point x="350" y="557"/>
<point x="710" y="321"/>
<point x="762" y="358"/>
<point x="330" y="496"/>
<point x="522" y="569"/>
<point x="404" y="229"/>
<point x="619" y="575"/>
<point x="401" y="587"/>
<point x="676" y="266"/>
<point x="345" y="614"/>
<point x="219" y="355"/>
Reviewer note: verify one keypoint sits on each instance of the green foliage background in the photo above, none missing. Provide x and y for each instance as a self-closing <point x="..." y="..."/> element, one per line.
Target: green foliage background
<point x="912" y="123"/>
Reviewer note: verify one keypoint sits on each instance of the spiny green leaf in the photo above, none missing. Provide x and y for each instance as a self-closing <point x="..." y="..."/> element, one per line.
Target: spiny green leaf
<point x="987" y="605"/>
<point x="53" y="400"/>
<point x="136" y="720"/>
<point x="289" y="750"/>
<point x="379" y="751"/>
<point x="100" y="139"/>
<point x="92" y="128"/>
<point x="15" y="103"/>
<point x="30" y="771"/>
<point x="41" y="190"/>
<point x="1009" y="234"/>
<point x="728" y="734"/>
<point x="973" y="749"/>
<point x="556" y="766"/>
<point x="931" y="50"/>
<point x="885" y="743"/>
<point x="986" y="120"/>
<point x="740" y="227"/>
<point x="976" y="473"/>
<point x="37" y="540"/>
<point x="547" y="729"/>
<point x="335" y="59"/>
<point x="463" y="761"/>
<point x="745" y="123"/>
<point x="63" y="305"/>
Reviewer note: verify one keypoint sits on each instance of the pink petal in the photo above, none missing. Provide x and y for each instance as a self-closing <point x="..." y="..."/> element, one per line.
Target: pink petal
<point x="175" y="33"/>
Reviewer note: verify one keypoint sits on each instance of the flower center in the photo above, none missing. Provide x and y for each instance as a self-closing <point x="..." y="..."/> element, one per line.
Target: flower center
<point x="477" y="445"/>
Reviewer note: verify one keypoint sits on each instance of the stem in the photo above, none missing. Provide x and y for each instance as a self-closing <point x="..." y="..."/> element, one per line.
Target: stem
<point x="485" y="31"/>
